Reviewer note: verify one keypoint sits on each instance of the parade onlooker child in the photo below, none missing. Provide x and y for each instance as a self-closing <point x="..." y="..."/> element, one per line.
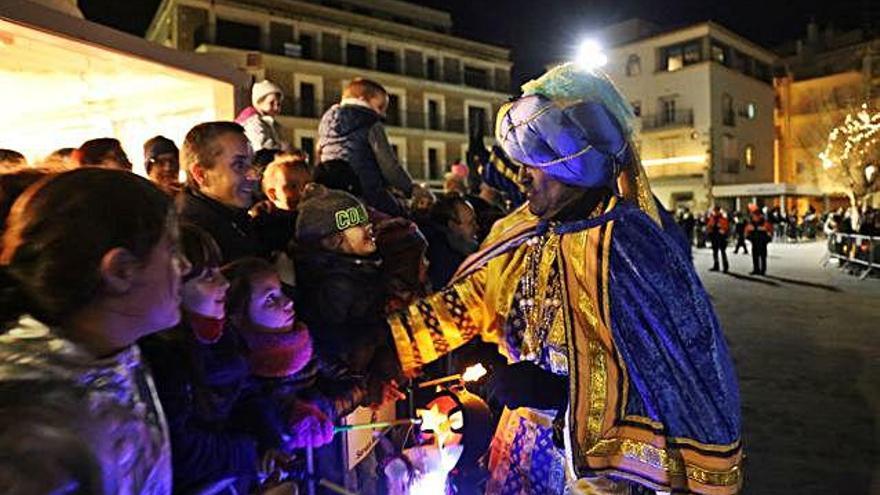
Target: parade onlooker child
<point x="219" y="426"/>
<point x="339" y="286"/>
<point x="352" y="131"/>
<point x="261" y="127"/>
<point x="89" y="265"/>
<point x="278" y="349"/>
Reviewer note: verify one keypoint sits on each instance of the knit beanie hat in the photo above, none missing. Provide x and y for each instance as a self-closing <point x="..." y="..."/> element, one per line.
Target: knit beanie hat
<point x="263" y="89"/>
<point x="322" y="212"/>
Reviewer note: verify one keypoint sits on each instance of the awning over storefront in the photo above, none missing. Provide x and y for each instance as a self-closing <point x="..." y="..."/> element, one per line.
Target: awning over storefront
<point x="765" y="189"/>
<point x="65" y="79"/>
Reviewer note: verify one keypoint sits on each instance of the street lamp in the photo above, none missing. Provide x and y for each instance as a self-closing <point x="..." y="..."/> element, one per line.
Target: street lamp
<point x="589" y="55"/>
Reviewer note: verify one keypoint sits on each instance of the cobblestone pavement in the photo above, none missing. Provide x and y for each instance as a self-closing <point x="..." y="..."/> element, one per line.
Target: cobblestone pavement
<point x="806" y="341"/>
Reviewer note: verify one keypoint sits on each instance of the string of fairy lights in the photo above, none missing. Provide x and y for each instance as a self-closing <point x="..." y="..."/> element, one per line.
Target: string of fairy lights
<point x="855" y="139"/>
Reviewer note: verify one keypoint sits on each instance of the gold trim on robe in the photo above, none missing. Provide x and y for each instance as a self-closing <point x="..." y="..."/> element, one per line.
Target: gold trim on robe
<point x="601" y="438"/>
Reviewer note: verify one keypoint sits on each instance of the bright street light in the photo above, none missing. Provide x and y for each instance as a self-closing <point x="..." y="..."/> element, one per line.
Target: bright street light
<point x="589" y="55"/>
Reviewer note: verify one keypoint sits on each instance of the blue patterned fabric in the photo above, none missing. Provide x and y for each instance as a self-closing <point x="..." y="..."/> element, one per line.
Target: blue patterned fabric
<point x="500" y="172"/>
<point x="536" y="466"/>
<point x="668" y="336"/>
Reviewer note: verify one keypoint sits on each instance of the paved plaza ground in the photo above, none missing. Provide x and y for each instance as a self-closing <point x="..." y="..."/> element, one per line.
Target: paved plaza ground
<point x="806" y="342"/>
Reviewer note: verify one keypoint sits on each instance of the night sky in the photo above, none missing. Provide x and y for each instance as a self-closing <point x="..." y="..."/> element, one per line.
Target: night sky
<point x="544" y="31"/>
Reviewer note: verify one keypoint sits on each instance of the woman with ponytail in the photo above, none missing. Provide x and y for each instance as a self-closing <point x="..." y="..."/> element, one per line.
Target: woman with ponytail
<point x="88" y="265"/>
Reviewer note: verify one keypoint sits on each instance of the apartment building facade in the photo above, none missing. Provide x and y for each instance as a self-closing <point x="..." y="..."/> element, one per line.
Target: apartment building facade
<point x="823" y="77"/>
<point x="441" y="86"/>
<point x="704" y="99"/>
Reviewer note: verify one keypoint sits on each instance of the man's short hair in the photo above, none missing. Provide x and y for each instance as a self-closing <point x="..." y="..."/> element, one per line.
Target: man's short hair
<point x="364" y="89"/>
<point x="200" y="144"/>
<point x="282" y="163"/>
<point x="445" y="209"/>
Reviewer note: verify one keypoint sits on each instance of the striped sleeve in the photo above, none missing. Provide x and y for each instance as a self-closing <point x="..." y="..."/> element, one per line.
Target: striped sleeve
<point x="440" y="323"/>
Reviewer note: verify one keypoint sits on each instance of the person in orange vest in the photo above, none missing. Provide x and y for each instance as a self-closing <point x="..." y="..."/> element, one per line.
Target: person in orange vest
<point x="718" y="226"/>
<point x="759" y="232"/>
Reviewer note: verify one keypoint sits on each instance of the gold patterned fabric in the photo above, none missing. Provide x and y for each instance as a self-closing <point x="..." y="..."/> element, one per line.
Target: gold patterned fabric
<point x="602" y="438"/>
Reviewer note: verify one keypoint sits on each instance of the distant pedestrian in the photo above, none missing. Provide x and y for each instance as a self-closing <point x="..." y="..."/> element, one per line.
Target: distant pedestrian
<point x="740" y="222"/>
<point x="717" y="227"/>
<point x="759" y="232"/>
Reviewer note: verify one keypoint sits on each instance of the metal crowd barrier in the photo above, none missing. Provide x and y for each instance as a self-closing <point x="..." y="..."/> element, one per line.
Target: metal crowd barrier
<point x="854" y="250"/>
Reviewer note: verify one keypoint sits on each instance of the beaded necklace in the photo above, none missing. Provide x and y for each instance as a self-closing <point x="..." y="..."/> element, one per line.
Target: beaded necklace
<point x="538" y="308"/>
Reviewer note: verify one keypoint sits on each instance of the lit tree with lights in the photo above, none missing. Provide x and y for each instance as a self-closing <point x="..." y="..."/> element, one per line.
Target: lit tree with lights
<point x="852" y="155"/>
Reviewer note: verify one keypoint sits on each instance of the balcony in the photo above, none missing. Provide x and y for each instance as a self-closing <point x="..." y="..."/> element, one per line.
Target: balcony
<point x="314" y="109"/>
<point x="679" y="118"/>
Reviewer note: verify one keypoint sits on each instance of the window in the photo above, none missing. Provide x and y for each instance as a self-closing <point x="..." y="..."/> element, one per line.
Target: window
<point x="356" y="55"/>
<point x="433" y="115"/>
<point x="477" y="121"/>
<point x="476" y="77"/>
<point x="727" y="116"/>
<point x="431" y="70"/>
<point x="386" y="61"/>
<point x="238" y="35"/>
<point x="692" y="53"/>
<point x="307" y="144"/>
<point x="633" y="65"/>
<point x="720" y="53"/>
<point x="749" y="156"/>
<point x="435" y="168"/>
<point x="392" y="115"/>
<point x="307" y="44"/>
<point x="637" y="108"/>
<point x="730" y="157"/>
<point x="750" y="111"/>
<point x="667" y="110"/>
<point x="675" y="57"/>
<point x="307" y="104"/>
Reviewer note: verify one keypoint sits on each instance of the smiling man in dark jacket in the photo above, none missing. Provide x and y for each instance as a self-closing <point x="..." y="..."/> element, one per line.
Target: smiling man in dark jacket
<point x="220" y="184"/>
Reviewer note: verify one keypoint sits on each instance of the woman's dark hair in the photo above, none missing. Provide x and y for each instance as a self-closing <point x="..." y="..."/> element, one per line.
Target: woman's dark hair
<point x="200" y="249"/>
<point x="241" y="274"/>
<point x="59" y="230"/>
<point x="13" y="185"/>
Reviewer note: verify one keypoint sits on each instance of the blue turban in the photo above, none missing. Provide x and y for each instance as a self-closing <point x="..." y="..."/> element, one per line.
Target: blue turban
<point x="570" y="123"/>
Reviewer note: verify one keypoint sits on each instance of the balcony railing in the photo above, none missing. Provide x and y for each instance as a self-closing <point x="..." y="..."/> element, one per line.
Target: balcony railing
<point x="412" y="120"/>
<point x="679" y="118"/>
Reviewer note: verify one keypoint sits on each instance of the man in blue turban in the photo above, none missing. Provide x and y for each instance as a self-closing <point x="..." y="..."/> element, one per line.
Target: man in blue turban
<point x="619" y="379"/>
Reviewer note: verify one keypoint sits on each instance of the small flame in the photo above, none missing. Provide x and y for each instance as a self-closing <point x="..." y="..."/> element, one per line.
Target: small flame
<point x="436" y="422"/>
<point x="474" y="373"/>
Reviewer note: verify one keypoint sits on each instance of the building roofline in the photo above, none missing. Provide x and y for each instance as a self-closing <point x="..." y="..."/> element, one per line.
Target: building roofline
<point x="711" y="25"/>
<point x="449" y="40"/>
<point x="38" y="17"/>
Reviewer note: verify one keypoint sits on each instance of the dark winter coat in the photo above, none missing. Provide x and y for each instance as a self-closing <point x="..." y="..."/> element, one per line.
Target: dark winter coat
<point x="445" y="253"/>
<point x="341" y="299"/>
<point x="218" y="424"/>
<point x="354" y="133"/>
<point x="232" y="228"/>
